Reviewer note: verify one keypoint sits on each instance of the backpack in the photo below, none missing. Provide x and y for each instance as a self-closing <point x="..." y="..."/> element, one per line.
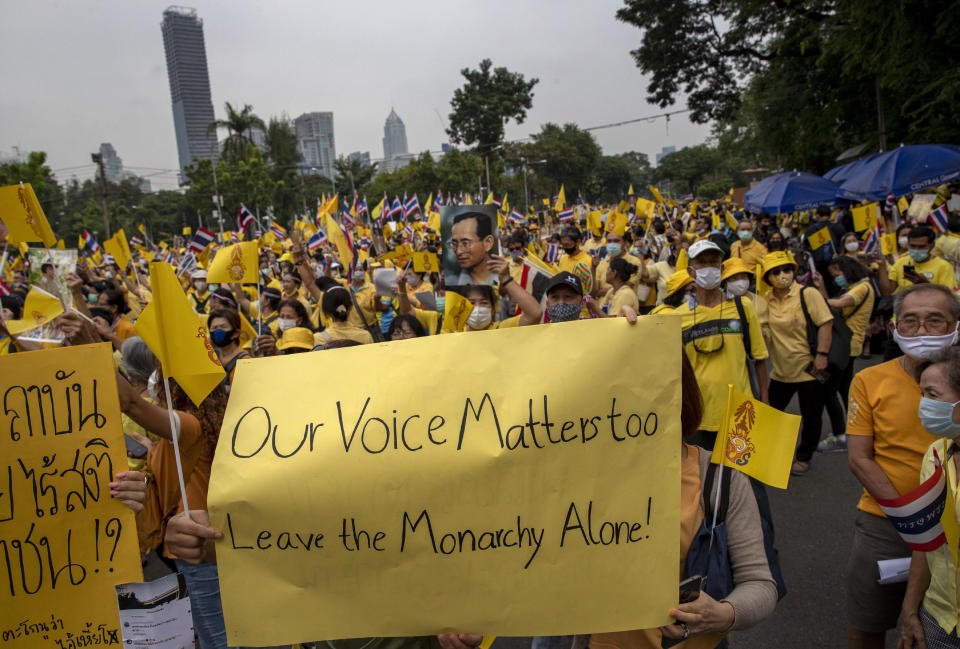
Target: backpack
<point x="839" y="355"/>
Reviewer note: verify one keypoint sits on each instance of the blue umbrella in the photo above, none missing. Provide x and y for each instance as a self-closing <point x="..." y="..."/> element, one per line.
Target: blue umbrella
<point x="790" y="192"/>
<point x="903" y="171"/>
<point x="839" y="174"/>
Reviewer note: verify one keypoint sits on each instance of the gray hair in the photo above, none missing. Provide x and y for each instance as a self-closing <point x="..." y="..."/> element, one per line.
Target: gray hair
<point x="138" y="361"/>
<point x="917" y="288"/>
<point x="949" y="357"/>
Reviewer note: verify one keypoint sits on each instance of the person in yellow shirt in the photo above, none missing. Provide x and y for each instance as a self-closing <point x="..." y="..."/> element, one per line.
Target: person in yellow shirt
<point x="785" y="328"/>
<point x="573" y="259"/>
<point x="595" y="241"/>
<point x="616" y="248"/>
<point x="747" y="247"/>
<point x="678" y="291"/>
<point x="737" y="277"/>
<point x="886" y="443"/>
<point x="621" y="294"/>
<point x="483" y="301"/>
<point x="717" y="341"/>
<point x="336" y="306"/>
<point x="948" y="245"/>
<point x="920" y="267"/>
<point x="199" y="292"/>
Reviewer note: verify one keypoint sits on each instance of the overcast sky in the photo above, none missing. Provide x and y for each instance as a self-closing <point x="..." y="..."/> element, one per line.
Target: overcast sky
<point x="79" y="73"/>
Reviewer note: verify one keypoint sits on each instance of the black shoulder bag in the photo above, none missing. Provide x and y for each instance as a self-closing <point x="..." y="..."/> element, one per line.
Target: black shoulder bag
<point x="839" y="355"/>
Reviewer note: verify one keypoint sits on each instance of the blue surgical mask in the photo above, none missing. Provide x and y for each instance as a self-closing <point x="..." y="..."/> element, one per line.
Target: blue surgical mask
<point x="841" y="281"/>
<point x="919" y="255"/>
<point x="937" y="417"/>
<point x="614" y="249"/>
<point x="441" y="303"/>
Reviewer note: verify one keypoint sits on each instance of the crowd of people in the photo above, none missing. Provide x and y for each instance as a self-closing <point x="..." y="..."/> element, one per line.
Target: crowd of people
<point x="759" y="306"/>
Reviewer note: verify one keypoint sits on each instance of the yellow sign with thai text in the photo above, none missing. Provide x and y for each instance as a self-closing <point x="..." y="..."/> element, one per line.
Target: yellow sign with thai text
<point x="485" y="497"/>
<point x="64" y="542"/>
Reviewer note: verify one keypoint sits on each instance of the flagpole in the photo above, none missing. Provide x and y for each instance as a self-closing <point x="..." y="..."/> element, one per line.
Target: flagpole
<point x="175" y="433"/>
<point x="3" y="259"/>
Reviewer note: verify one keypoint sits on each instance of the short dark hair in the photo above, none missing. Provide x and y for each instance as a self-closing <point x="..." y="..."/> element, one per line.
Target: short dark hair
<point x="572" y="233"/>
<point x="232" y="317"/>
<point x="851" y="268"/>
<point x="412" y="321"/>
<point x="953" y="222"/>
<point x="44" y="266"/>
<point x="225" y="296"/>
<point x="115" y="298"/>
<point x="823" y="210"/>
<point x="301" y="310"/>
<point x="899" y="297"/>
<point x="923" y="231"/>
<point x="484" y="226"/>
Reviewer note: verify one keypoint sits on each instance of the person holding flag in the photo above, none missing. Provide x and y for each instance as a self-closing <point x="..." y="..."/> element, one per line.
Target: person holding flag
<point x="930" y="607"/>
<point x="919" y="267"/>
<point x="574" y="260"/>
<point x="886" y="443"/>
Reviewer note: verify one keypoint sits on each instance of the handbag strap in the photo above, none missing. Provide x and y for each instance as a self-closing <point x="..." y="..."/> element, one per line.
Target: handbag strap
<point x="744" y="327"/>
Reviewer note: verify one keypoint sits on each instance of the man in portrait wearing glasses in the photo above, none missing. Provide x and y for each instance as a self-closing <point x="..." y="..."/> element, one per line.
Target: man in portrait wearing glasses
<point x="716" y="339"/>
<point x="472" y="240"/>
<point x="886" y="442"/>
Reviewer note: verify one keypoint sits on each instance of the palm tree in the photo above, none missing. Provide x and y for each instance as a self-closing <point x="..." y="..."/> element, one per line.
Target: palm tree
<point x="239" y="125"/>
<point x="352" y="173"/>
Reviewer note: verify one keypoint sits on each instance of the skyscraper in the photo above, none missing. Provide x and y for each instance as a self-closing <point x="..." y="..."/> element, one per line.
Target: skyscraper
<point x="394" y="136"/>
<point x="315" y="142"/>
<point x="113" y="165"/>
<point x="189" y="84"/>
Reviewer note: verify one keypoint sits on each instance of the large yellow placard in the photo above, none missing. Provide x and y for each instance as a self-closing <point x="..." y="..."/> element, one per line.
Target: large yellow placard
<point x="516" y="482"/>
<point x="64" y="542"/>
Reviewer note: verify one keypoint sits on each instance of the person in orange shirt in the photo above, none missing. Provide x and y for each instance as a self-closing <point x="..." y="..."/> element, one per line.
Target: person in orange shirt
<point x="886" y="442"/>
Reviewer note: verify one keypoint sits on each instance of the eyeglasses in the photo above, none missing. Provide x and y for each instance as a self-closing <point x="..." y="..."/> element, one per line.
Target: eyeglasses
<point x="456" y="244"/>
<point x="934" y="325"/>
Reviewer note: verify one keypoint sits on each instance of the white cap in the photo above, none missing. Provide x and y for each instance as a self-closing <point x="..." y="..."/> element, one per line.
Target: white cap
<point x="198" y="274"/>
<point x="701" y="247"/>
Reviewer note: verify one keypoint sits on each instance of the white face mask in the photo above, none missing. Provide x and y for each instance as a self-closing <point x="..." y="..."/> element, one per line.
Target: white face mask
<point x="852" y="246"/>
<point x="480" y="317"/>
<point x="152" y="385"/>
<point x="286" y="323"/>
<point x="903" y="241"/>
<point x="738" y="286"/>
<point x="708" y="277"/>
<point x="199" y="285"/>
<point x="924" y="347"/>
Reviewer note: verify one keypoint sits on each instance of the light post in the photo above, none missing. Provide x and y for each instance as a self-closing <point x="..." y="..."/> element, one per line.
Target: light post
<point x="526" y="195"/>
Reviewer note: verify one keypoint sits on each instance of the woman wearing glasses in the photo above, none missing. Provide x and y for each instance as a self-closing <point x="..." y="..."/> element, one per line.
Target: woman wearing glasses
<point x="794" y="363"/>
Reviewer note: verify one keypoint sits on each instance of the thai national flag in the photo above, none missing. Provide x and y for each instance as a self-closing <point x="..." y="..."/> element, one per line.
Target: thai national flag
<point x="136" y="241"/>
<point x="244" y="218"/>
<point x="90" y="242"/>
<point x="108" y="259"/>
<point x="362" y="209"/>
<point x="278" y="230"/>
<point x="317" y="240"/>
<point x="916" y="515"/>
<point x="234" y="237"/>
<point x="4" y="289"/>
<point x="890" y="201"/>
<point x="553" y="253"/>
<point x="408" y="232"/>
<point x="201" y="239"/>
<point x="872" y="242"/>
<point x="580" y="198"/>
<point x="497" y="202"/>
<point x="517" y="217"/>
<point x="396" y="209"/>
<point x="565" y="216"/>
<point x="411" y="207"/>
<point x="439" y="201"/>
<point x="168" y="257"/>
<point x="938" y="219"/>
<point x="346" y="216"/>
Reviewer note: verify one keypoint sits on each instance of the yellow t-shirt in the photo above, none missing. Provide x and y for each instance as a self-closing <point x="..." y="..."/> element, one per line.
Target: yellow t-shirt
<point x="713" y="341"/>
<point x="581" y="265"/>
<point x="337" y="330"/>
<point x="592" y="244"/>
<point x="751" y="252"/>
<point x="948" y="248"/>
<point x="604" y="266"/>
<point x="662" y="309"/>
<point x="659" y="271"/>
<point x="935" y="269"/>
<point x="863" y="299"/>
<point x="883" y="405"/>
<point x="785" y="330"/>
<point x="940" y="599"/>
<point x="613" y="301"/>
<point x="428" y="319"/>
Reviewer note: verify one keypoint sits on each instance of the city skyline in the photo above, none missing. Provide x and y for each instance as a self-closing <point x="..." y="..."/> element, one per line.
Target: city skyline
<point x="260" y="56"/>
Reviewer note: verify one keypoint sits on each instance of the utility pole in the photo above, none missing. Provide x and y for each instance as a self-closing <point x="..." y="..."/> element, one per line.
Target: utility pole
<point x="98" y="159"/>
<point x="486" y="162"/>
<point x="881" y="123"/>
<point x="216" y="199"/>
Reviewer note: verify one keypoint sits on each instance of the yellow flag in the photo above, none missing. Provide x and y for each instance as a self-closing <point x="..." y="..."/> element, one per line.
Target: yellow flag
<point x="756" y="439"/>
<point x="864" y="217"/>
<point x="561" y="200"/>
<point x="888" y="243"/>
<point x="377" y="211"/>
<point x="630" y="190"/>
<point x="142" y="229"/>
<point x="467" y="199"/>
<point x="433" y="222"/>
<point x="425" y="262"/>
<point x="717" y="225"/>
<point x="456" y="310"/>
<point x="593" y="222"/>
<point x="656" y="194"/>
<point x="331" y="205"/>
<point x="20" y="211"/>
<point x="60" y="244"/>
<point x="174" y="334"/>
<point x="616" y="223"/>
<point x="118" y="247"/>
<point x="644" y="207"/>
<point x="731" y="222"/>
<point x="682" y="260"/>
<point x="338" y="237"/>
<point x="235" y="264"/>
<point x="187" y="231"/>
<point x="819" y="238"/>
<point x="903" y="204"/>
<point x="39" y="308"/>
<point x="489" y="199"/>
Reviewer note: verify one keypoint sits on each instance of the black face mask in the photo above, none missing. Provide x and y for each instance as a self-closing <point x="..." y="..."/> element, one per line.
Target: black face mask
<point x="570" y="250"/>
<point x="222" y="338"/>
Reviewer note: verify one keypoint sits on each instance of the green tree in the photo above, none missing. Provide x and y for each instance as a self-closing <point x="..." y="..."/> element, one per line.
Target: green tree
<point x="681" y="172"/>
<point x="638" y="165"/>
<point x="244" y="180"/>
<point x="571" y="156"/>
<point x="284" y="159"/>
<point x="610" y="179"/>
<point x="239" y="125"/>
<point x="485" y="103"/>
<point x="351" y="174"/>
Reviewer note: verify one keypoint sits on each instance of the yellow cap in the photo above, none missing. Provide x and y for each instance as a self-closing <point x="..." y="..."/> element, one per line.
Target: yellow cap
<point x="286" y="257"/>
<point x="733" y="266"/>
<point x="774" y="259"/>
<point x="296" y="337"/>
<point x="677" y="281"/>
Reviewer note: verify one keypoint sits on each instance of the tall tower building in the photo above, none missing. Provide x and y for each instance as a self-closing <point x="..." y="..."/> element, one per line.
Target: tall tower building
<point x="189" y="85"/>
<point x="394" y="136"/>
<point x="113" y="165"/>
<point x="315" y="142"/>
